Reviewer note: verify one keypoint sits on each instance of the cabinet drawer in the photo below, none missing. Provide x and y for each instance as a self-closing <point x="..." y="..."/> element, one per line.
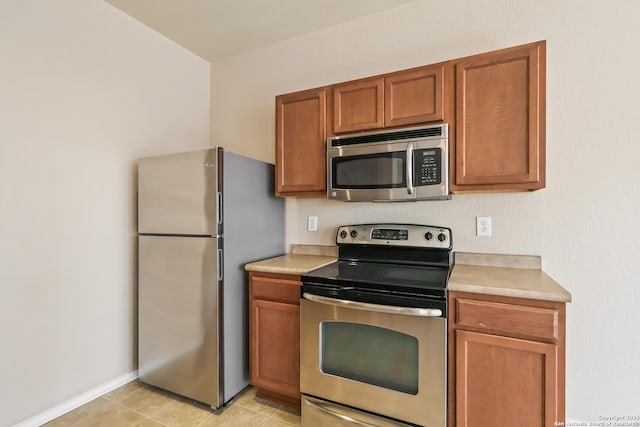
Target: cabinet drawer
<point x="507" y="319"/>
<point x="275" y="289"/>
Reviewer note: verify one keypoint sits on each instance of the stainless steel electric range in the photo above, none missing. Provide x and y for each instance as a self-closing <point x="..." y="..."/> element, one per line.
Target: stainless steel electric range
<point x="373" y="337"/>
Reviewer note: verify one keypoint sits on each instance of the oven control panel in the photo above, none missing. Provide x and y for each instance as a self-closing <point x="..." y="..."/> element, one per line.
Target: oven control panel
<point x="423" y="236"/>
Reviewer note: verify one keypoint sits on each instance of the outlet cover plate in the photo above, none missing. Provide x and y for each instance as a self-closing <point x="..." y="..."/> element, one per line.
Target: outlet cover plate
<point x="312" y="223"/>
<point x="483" y="226"/>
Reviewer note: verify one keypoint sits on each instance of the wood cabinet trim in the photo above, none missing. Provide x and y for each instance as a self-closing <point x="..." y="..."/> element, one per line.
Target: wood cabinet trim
<point x="283" y="276"/>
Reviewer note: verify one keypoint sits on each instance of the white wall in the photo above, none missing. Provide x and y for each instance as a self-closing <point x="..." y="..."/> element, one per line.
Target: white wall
<point x="84" y="91"/>
<point x="584" y="224"/>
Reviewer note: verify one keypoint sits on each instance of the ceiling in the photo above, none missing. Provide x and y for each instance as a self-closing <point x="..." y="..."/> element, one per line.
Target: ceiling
<point x="214" y="29"/>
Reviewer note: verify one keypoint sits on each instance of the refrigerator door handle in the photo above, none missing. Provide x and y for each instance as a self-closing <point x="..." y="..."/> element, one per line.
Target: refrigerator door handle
<point x="219" y="208"/>
<point x="220" y="265"/>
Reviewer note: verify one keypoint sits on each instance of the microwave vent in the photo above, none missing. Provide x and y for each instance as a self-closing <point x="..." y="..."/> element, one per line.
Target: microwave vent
<point x="399" y="135"/>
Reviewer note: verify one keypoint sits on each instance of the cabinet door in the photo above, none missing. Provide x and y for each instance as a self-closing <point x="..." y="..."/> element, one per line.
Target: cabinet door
<point x="414" y="97"/>
<point x="300" y="143"/>
<point x="500" y="120"/>
<point x="275" y="347"/>
<point x="358" y="105"/>
<point x="505" y="381"/>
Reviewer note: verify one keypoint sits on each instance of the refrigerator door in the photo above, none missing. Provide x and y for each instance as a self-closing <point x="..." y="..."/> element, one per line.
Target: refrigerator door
<point x="179" y="194"/>
<point x="179" y="325"/>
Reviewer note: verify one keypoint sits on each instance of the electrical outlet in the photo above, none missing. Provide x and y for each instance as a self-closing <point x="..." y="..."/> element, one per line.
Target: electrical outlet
<point x="312" y="223"/>
<point x="483" y="226"/>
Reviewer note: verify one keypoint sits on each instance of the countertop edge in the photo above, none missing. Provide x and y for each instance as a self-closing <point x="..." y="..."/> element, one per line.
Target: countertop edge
<point x="295" y="264"/>
<point x="512" y="292"/>
<point x="508" y="282"/>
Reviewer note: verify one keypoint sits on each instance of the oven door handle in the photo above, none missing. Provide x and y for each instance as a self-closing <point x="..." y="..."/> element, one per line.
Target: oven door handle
<point x="411" y="311"/>
<point x="321" y="407"/>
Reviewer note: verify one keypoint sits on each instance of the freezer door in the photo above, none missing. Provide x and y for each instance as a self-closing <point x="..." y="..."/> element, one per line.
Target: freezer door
<point x="179" y="193"/>
<point x="178" y="324"/>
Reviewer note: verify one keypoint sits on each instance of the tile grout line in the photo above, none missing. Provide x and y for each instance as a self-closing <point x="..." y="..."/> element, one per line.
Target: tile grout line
<point x="138" y="413"/>
<point x="76" y="423"/>
<point x="270" y="411"/>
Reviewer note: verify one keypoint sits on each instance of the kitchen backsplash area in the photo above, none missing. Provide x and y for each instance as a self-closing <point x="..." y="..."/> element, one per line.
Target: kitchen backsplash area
<point x="516" y="219"/>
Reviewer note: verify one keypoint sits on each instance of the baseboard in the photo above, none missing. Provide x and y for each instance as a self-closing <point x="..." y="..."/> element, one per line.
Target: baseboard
<point x="77" y="401"/>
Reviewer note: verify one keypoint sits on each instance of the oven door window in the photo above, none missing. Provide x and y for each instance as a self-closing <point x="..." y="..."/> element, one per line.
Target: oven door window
<point x="370" y="354"/>
<point x="370" y="171"/>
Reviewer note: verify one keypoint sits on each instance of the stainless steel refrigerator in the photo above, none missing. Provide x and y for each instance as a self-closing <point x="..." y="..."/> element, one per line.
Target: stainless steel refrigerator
<point x="201" y="216"/>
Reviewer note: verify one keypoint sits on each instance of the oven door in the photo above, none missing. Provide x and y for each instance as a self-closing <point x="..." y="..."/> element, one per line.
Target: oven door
<point x="387" y="360"/>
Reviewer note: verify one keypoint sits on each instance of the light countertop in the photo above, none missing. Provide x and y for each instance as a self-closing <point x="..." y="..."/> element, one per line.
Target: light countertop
<point x="301" y="260"/>
<point x="507" y="281"/>
<point x="290" y="264"/>
<point x="503" y="275"/>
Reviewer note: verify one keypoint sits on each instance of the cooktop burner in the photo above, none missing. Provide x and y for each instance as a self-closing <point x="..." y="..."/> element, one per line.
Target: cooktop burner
<point x="394" y="264"/>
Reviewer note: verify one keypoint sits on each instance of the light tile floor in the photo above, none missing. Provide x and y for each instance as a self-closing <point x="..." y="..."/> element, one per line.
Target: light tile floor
<point x="137" y="404"/>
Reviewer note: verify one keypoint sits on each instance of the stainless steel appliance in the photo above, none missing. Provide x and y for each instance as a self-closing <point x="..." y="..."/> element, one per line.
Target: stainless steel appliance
<point x="373" y="329"/>
<point x="395" y="165"/>
<point x="201" y="216"/>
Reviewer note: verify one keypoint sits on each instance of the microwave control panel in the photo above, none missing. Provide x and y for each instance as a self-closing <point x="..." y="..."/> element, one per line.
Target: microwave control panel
<point x="428" y="166"/>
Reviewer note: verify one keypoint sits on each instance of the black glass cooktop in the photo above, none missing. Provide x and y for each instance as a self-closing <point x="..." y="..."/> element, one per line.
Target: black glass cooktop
<point x="412" y="279"/>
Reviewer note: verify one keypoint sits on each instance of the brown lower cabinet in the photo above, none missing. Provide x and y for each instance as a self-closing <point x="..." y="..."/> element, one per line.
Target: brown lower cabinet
<point x="274" y="331"/>
<point x="506" y="361"/>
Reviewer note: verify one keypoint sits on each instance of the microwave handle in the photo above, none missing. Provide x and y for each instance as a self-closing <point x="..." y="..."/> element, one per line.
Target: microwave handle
<point x="409" y="171"/>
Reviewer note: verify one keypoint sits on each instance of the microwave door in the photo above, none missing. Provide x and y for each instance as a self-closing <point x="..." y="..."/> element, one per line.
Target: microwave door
<point x="371" y="173"/>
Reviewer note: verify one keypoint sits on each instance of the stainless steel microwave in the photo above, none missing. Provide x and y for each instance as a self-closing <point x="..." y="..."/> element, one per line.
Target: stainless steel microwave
<point x="394" y="165"/>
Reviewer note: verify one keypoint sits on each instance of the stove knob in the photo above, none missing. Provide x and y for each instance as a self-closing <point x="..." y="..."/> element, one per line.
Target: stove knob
<point x="428" y="235"/>
<point x="354" y="234"/>
<point x="442" y="237"/>
<point x="343" y="234"/>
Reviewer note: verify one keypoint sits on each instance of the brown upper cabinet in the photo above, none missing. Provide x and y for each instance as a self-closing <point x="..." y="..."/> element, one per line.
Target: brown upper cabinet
<point x="358" y="106"/>
<point x="494" y="103"/>
<point x="500" y="120"/>
<point x="300" y="143"/>
<point x="404" y="98"/>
